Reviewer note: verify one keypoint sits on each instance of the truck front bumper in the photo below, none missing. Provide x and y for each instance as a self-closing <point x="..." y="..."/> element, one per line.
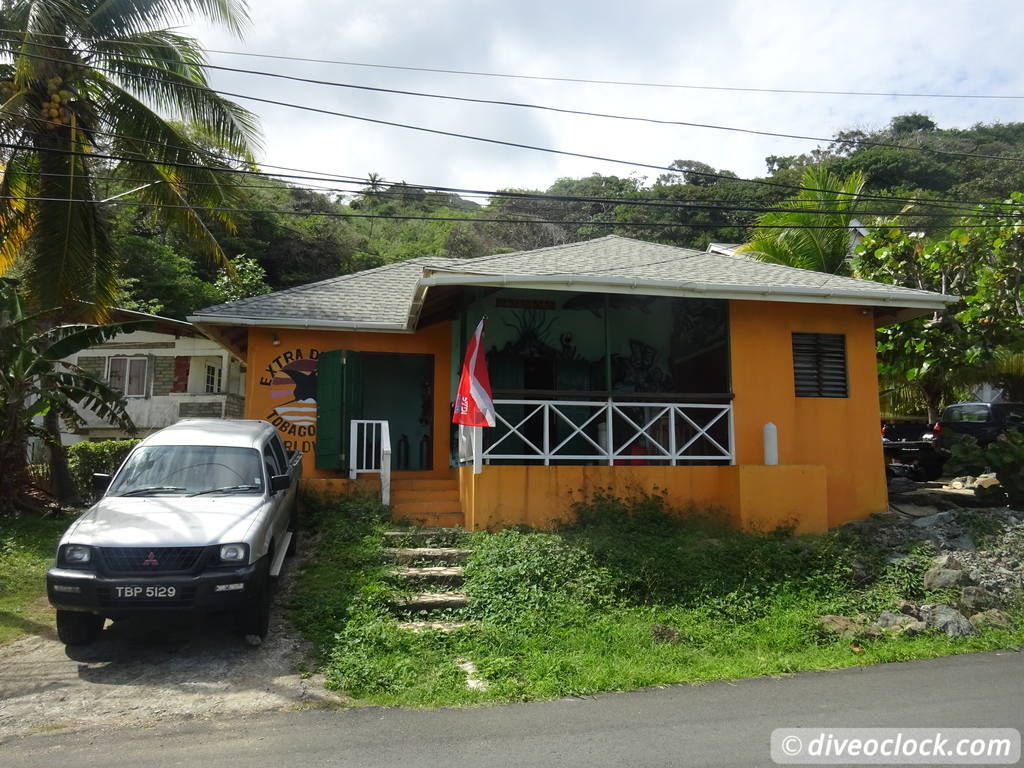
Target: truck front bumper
<point x="212" y="590"/>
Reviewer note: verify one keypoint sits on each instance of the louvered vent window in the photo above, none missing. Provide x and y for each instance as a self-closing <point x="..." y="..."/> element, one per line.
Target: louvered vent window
<point x="819" y="365"/>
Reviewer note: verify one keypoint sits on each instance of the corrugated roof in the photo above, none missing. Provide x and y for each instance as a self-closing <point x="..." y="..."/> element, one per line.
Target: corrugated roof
<point x="388" y="298"/>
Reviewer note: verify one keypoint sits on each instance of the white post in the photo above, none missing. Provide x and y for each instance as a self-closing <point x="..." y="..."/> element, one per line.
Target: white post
<point x="385" y="475"/>
<point x="771" y="444"/>
<point x="732" y="434"/>
<point x="672" y="436"/>
<point x="353" y="449"/>
<point x="478" y="450"/>
<point x="608" y="431"/>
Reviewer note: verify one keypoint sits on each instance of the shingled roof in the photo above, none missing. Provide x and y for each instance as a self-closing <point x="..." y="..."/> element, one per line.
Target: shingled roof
<point x="389" y="297"/>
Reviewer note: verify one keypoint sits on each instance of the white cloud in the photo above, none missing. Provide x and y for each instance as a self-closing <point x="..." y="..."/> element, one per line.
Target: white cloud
<point x="937" y="46"/>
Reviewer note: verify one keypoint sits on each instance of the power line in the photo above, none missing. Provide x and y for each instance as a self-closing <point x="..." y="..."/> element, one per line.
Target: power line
<point x="499" y="142"/>
<point x="726" y="207"/>
<point x="583" y="113"/>
<point x="563" y="79"/>
<point x="466" y="219"/>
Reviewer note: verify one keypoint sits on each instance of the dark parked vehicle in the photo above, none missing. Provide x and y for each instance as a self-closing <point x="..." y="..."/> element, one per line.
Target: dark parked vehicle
<point x="910" y="450"/>
<point x="982" y="421"/>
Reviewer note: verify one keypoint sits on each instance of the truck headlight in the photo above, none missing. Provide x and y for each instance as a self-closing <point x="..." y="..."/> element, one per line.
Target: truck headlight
<point x="75" y="555"/>
<point x="234" y="553"/>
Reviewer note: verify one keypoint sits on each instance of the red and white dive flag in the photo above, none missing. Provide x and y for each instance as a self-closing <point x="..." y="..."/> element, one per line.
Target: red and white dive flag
<point x="473" y="404"/>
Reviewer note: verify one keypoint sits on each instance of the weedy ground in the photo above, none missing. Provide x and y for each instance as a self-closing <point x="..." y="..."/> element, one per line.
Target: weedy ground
<point x="27" y="547"/>
<point x="570" y="612"/>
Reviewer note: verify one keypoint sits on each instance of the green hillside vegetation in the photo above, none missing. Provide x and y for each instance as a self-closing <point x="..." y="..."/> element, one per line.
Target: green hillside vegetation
<point x="293" y="249"/>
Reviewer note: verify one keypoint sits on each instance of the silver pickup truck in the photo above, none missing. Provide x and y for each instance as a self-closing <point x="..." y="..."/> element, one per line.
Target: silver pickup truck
<point x="198" y="518"/>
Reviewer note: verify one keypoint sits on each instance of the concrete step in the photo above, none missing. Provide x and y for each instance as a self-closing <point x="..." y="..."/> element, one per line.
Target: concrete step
<point x="411" y="508"/>
<point x="447" y="575"/>
<point x="435" y="626"/>
<point x="424" y="483"/>
<point x="437" y="555"/>
<point x="423" y="536"/>
<point x="423" y="495"/>
<point x="432" y="601"/>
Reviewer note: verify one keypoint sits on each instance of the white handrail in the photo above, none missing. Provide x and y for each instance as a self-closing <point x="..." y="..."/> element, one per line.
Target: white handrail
<point x="661" y="432"/>
<point x="369" y="451"/>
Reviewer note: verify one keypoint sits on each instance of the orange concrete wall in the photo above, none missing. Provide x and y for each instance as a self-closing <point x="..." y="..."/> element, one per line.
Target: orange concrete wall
<point x="842" y="434"/>
<point x="267" y="390"/>
<point x="754" y="498"/>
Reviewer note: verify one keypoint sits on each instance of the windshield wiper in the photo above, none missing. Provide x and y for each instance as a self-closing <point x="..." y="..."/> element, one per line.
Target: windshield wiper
<point x="225" y="489"/>
<point x="151" y="489"/>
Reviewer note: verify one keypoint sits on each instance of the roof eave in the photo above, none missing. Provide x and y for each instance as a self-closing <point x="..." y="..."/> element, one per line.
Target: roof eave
<point x="800" y="294"/>
<point x="300" y="323"/>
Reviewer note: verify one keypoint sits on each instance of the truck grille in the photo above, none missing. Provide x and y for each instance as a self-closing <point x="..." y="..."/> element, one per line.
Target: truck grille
<point x="151" y="560"/>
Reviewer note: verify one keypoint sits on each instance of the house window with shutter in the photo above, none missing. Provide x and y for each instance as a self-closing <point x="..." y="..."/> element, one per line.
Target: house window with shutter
<point x="819" y="365"/>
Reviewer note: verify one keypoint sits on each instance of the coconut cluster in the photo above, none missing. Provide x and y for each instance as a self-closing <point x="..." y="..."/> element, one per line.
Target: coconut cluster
<point x="55" y="109"/>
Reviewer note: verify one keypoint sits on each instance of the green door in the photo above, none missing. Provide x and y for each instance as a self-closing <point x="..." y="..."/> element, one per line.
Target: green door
<point x="339" y="399"/>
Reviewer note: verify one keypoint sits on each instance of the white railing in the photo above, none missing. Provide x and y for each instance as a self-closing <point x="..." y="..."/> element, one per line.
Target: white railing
<point x="370" y="453"/>
<point x="605" y="431"/>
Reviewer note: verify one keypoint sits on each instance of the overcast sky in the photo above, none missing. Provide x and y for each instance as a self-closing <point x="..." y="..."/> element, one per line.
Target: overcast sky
<point x="908" y="46"/>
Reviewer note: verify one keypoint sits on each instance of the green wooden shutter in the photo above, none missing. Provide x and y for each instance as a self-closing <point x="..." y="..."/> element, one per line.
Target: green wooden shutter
<point x="329" y="423"/>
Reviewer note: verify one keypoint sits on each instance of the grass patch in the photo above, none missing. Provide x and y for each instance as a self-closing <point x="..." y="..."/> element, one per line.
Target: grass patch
<point x="570" y="612"/>
<point x="27" y="547"/>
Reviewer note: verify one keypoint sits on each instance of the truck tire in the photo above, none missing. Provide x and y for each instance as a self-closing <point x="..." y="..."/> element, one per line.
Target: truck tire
<point x="78" y="628"/>
<point x="254" y="619"/>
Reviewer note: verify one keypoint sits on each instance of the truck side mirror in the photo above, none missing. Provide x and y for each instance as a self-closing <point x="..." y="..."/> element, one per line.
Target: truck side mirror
<point x="280" y="483"/>
<point x="100" y="482"/>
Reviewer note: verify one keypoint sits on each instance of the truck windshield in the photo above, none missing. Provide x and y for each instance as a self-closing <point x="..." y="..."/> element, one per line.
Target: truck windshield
<point x="183" y="469"/>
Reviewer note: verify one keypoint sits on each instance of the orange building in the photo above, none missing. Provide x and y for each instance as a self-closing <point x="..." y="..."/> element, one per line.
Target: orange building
<point x="725" y="382"/>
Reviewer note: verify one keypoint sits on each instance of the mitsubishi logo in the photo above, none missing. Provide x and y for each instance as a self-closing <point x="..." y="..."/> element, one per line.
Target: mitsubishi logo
<point x="150" y="560"/>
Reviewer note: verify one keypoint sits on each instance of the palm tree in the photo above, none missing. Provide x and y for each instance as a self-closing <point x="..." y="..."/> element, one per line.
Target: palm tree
<point x="82" y="83"/>
<point x="82" y="86"/>
<point x="818" y="235"/>
<point x="34" y="380"/>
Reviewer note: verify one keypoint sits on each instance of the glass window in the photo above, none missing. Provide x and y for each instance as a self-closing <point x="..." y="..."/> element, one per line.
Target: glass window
<point x="279" y="454"/>
<point x="180" y="469"/>
<point x="968" y="414"/>
<point x="1012" y="415"/>
<point x="213" y="379"/>
<point x="127" y="375"/>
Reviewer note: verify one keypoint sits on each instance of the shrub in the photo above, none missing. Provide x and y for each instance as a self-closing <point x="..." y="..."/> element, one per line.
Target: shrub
<point x="656" y="554"/>
<point x="517" y="577"/>
<point x="104" y="457"/>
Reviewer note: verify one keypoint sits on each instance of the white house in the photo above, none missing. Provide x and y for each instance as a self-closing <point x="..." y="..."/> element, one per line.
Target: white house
<point x="168" y="372"/>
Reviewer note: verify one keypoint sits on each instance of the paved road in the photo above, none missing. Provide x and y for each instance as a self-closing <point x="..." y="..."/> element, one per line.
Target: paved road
<point x="713" y="725"/>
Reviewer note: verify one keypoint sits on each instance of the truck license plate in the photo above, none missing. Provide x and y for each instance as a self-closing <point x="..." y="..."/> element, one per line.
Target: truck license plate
<point x="146" y="592"/>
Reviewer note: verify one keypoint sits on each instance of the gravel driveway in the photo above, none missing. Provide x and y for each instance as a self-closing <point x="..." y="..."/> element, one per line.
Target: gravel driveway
<point x="146" y="670"/>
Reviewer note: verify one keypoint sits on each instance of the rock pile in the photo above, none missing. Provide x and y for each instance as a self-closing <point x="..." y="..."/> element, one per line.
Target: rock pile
<point x="981" y="575"/>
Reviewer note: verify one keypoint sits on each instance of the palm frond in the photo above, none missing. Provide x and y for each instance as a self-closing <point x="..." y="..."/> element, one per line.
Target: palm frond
<point x="117" y="18"/>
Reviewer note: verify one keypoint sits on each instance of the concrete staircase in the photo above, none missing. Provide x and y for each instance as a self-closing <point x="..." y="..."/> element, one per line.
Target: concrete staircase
<point x="428" y="501"/>
<point x="436" y="570"/>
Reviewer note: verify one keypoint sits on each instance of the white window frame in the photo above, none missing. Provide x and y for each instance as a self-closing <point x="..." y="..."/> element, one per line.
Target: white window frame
<point x="213" y="379"/>
<point x="129" y="359"/>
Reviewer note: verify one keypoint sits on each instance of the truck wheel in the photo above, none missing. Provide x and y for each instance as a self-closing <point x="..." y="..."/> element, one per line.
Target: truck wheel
<point x="77" y="628"/>
<point x="254" y="619"/>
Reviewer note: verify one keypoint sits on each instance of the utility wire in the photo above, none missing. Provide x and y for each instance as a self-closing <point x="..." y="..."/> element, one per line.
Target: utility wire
<point x="499" y="142"/>
<point x="727" y="207"/>
<point x="562" y="79"/>
<point x="467" y="219"/>
<point x="578" y="112"/>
